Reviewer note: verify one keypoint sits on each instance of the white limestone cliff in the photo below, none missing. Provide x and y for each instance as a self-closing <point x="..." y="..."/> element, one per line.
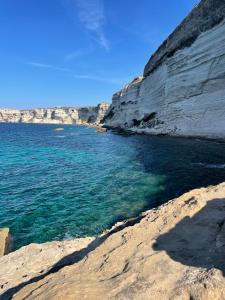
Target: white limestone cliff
<point x="90" y="114"/>
<point x="182" y="92"/>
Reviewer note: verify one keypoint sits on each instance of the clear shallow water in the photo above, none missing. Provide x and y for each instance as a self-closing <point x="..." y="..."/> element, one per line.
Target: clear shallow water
<point x="59" y="185"/>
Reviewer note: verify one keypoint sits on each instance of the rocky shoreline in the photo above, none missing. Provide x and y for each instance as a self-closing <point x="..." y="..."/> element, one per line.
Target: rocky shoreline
<point x="90" y="115"/>
<point x="175" y="251"/>
<point x="137" y="131"/>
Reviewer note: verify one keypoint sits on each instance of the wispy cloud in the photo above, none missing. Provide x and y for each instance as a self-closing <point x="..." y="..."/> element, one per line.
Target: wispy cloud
<point x="91" y="14"/>
<point x="75" y="54"/>
<point x="46" y="66"/>
<point x="116" y="81"/>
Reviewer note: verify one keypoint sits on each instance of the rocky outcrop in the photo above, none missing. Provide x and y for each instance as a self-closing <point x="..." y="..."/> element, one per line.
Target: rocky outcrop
<point x="182" y="92"/>
<point x="56" y="115"/>
<point x="4" y="241"/>
<point x="176" y="251"/>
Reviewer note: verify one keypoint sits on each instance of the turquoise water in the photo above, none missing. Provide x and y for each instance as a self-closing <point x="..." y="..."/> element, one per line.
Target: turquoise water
<point x="76" y="182"/>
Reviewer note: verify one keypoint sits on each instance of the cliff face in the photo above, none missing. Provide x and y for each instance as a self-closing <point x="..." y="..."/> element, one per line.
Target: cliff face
<point x="56" y="115"/>
<point x="176" y="251"/>
<point x="182" y="91"/>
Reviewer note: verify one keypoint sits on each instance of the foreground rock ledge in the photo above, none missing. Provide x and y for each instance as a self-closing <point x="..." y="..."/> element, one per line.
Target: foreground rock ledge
<point x="174" y="252"/>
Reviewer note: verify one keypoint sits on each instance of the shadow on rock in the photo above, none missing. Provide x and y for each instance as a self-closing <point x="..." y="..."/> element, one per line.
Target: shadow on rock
<point x="71" y="259"/>
<point x="198" y="241"/>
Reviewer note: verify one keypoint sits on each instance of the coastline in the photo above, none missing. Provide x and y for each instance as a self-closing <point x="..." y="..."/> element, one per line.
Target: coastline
<point x="160" y="239"/>
<point x="99" y="127"/>
<point x="56" y="115"/>
<point x="173" y="251"/>
<point x="133" y="131"/>
<point x="167" y="141"/>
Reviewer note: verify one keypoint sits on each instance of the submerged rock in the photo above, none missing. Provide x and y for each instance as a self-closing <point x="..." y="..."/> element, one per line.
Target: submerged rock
<point x="58" y="129"/>
<point x="100" y="129"/>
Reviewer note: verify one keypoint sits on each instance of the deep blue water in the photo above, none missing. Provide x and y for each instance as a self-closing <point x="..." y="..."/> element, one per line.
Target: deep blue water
<point x="76" y="182"/>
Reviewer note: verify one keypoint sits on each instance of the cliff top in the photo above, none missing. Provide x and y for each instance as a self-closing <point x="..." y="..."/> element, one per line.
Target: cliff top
<point x="56" y="107"/>
<point x="204" y="16"/>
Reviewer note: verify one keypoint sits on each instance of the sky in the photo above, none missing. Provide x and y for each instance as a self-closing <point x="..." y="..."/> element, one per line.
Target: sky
<point x="78" y="52"/>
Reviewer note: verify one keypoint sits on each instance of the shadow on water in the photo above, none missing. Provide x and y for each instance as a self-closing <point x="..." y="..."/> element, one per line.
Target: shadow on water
<point x="186" y="164"/>
<point x="118" y="176"/>
<point x="198" y="241"/>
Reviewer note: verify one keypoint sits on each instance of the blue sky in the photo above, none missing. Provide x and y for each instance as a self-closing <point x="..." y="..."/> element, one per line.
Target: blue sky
<point x="78" y="52"/>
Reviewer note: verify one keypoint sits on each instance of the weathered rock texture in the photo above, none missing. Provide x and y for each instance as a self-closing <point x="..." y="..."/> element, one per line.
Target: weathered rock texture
<point x="203" y="17"/>
<point x="174" y="252"/>
<point x="182" y="92"/>
<point x="56" y="115"/>
<point x="4" y="241"/>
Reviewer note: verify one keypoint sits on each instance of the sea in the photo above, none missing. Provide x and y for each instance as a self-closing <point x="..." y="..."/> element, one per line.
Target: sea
<point x="60" y="185"/>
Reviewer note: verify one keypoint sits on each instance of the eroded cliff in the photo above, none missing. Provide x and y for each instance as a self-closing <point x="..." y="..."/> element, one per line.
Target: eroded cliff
<point x="182" y="91"/>
<point x="91" y="114"/>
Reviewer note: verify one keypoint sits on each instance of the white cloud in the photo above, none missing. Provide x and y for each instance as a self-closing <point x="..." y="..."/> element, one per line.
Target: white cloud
<point x="46" y="66"/>
<point x="91" y="14"/>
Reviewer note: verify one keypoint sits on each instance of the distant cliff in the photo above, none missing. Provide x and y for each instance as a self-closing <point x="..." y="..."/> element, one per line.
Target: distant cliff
<point x="90" y="114"/>
<point x="182" y="90"/>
